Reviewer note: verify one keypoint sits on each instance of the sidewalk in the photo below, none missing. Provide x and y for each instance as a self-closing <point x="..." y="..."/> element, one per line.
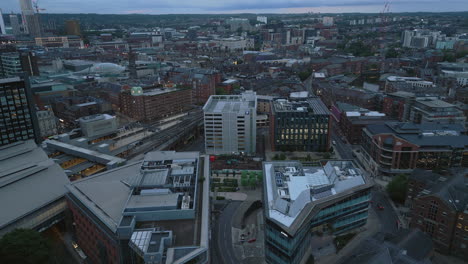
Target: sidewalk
<point x="250" y="252"/>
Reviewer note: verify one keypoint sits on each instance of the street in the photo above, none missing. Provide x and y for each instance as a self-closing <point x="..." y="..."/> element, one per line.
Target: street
<point x="222" y="236"/>
<point x="341" y="147"/>
<point x="387" y="217"/>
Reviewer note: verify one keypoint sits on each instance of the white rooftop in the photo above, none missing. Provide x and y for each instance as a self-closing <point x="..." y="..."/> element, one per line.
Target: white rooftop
<point x="290" y="186"/>
<point x="303" y="94"/>
<point x="231" y="103"/>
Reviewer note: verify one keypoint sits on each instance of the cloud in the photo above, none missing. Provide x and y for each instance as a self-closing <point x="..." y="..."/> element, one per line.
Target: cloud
<point x="229" y="6"/>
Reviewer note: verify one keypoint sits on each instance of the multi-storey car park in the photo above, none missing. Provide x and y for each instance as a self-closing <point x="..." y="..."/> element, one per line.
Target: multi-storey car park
<point x="302" y="200"/>
<point x="230" y="123"/>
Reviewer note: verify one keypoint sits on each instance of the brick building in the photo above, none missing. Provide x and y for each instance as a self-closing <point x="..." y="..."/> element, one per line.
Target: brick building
<point x="331" y="93"/>
<point x="202" y="81"/>
<point x="70" y="109"/>
<point x="353" y="122"/>
<point x="152" y="211"/>
<point x="439" y="207"/>
<point x="407" y="106"/>
<point x="401" y="147"/>
<point x="152" y="104"/>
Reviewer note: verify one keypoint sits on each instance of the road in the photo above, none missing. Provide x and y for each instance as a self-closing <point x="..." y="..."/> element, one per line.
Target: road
<point x="222" y="236"/>
<point x="387" y="217"/>
<point x="341" y="147"/>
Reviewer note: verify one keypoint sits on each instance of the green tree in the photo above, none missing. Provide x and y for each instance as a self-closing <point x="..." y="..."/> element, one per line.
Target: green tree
<point x="244" y="182"/>
<point x="308" y="158"/>
<point x="253" y="182"/>
<point x="282" y="156"/>
<point x="397" y="188"/>
<point x="391" y="53"/>
<point x="326" y="155"/>
<point x="244" y="175"/>
<point x="304" y="75"/>
<point x="259" y="177"/>
<point x="220" y="91"/>
<point x="359" y="49"/>
<point x="24" y="246"/>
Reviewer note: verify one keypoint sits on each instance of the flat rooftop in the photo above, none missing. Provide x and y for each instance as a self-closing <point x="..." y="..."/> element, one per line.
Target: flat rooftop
<point x="88" y="154"/>
<point x="92" y="118"/>
<point x="149" y="211"/>
<point x="290" y="186"/>
<point x="112" y="192"/>
<point x="231" y="103"/>
<point x="402" y="79"/>
<point x="435" y="103"/>
<point x="29" y="180"/>
<point x="313" y="105"/>
<point x="157" y="91"/>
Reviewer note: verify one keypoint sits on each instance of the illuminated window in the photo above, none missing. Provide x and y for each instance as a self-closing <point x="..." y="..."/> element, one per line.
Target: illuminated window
<point x="459" y="225"/>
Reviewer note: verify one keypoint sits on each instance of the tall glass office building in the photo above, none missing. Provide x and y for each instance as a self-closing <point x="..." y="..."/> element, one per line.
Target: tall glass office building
<point x="304" y="201"/>
<point x="17" y="115"/>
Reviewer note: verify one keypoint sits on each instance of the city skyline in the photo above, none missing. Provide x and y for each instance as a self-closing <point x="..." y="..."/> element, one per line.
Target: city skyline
<point x="241" y="6"/>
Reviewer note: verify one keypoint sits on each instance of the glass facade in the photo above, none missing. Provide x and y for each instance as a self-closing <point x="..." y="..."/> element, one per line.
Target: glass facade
<point x="16" y="119"/>
<point x="301" y="131"/>
<point x="345" y="214"/>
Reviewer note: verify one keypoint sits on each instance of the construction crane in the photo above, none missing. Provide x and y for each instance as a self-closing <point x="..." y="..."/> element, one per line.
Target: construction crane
<point x="36" y="5"/>
<point x="383" y="30"/>
<point x="384" y="18"/>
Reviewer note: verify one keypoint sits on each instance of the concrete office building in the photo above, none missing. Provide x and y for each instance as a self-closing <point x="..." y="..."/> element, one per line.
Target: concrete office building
<point x="10" y="64"/>
<point x="262" y="19"/>
<point x="427" y="110"/>
<point x="32" y="188"/>
<point x="327" y="21"/>
<point x="230" y="123"/>
<point x="15" y="25"/>
<point x="152" y="211"/>
<point x="17" y="122"/>
<point x="459" y="71"/>
<point x="30" y="18"/>
<point x="300" y="125"/>
<point x="14" y="63"/>
<point x="98" y="125"/>
<point x="300" y="201"/>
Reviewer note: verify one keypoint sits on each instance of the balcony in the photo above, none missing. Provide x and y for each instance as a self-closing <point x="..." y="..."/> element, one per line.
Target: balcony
<point x="386" y="162"/>
<point x="385" y="156"/>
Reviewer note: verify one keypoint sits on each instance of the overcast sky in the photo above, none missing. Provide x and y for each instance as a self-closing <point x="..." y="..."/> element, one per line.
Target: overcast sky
<point x="236" y="6"/>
